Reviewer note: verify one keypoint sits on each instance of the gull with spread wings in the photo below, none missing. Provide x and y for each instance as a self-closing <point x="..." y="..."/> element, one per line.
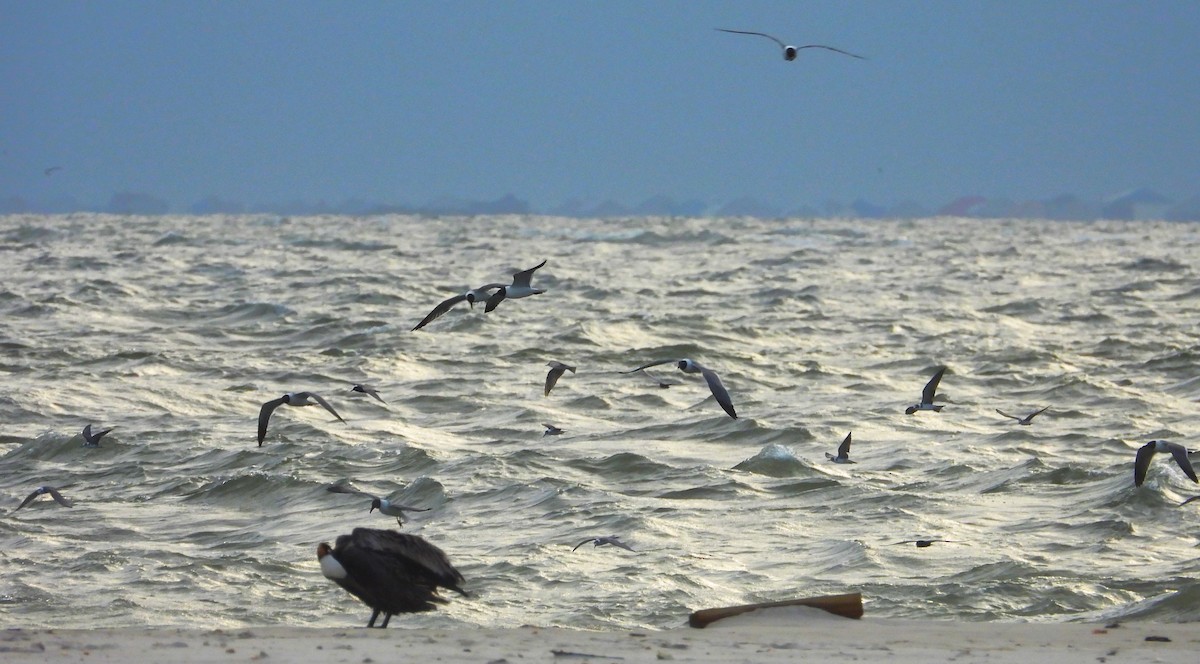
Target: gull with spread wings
<point x="789" y="51"/>
<point x="714" y="381"/>
<point x="290" y="399"/>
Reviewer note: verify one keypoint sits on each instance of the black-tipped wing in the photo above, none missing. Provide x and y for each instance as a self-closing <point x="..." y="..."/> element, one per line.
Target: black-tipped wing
<point x="370" y="391"/>
<point x="719" y="391"/>
<point x="760" y="34"/>
<point x="264" y="416"/>
<point x="495" y="299"/>
<point x="1181" y="457"/>
<point x="1142" y="462"/>
<point x="930" y="390"/>
<point x="1189" y="500"/>
<point x="556" y="372"/>
<point x="94" y="438"/>
<point x="443" y="307"/>
<point x="1007" y="415"/>
<point x="1036" y="413"/>
<point x="324" y="404"/>
<point x="647" y="366"/>
<point x="830" y="48"/>
<point x="524" y="277"/>
<point x="30" y="498"/>
<point x="58" y="497"/>
<point x="590" y="539"/>
<point x="844" y="448"/>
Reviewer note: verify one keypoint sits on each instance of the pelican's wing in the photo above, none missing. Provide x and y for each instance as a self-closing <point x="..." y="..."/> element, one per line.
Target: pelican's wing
<point x="411" y="547"/>
<point x="760" y="34"/>
<point x="523" y="277"/>
<point x="1181" y="457"/>
<point x="1007" y="415"/>
<point x="844" y="448"/>
<point x="647" y="366"/>
<point x="719" y="391"/>
<point x="446" y="305"/>
<point x="590" y="539"/>
<point x="930" y="390"/>
<point x="495" y="299"/>
<point x="1142" y="463"/>
<point x="552" y="377"/>
<point x="830" y="48"/>
<point x="324" y="404"/>
<point x="264" y="416"/>
<point x="58" y="497"/>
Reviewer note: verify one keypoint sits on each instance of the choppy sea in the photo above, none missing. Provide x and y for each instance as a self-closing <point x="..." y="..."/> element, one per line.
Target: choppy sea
<point x="174" y="330"/>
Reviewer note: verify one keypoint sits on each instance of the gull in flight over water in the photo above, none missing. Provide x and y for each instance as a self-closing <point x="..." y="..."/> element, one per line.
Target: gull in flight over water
<point x="519" y="288"/>
<point x="290" y="399"/>
<point x="843" y="452"/>
<point x="1024" y="421"/>
<point x="714" y="381"/>
<point x="552" y="430"/>
<point x="384" y="505"/>
<point x="613" y="540"/>
<point x="922" y="543"/>
<point x="789" y="51"/>
<point x="927" y="395"/>
<point x="93" y="439"/>
<point x="556" y="371"/>
<point x="1146" y="452"/>
<point x="390" y="572"/>
<point x="368" y="390"/>
<point x="53" y="491"/>
<point x="470" y="297"/>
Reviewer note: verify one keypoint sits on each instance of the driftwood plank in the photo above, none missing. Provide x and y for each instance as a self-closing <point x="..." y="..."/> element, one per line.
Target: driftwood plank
<point x="848" y="605"/>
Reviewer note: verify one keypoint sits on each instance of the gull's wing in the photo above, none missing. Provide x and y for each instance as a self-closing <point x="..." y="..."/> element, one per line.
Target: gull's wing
<point x="1036" y="413"/>
<point x="552" y="377"/>
<point x="616" y="542"/>
<point x="647" y="366"/>
<point x="930" y="390"/>
<point x="264" y="416"/>
<point x="719" y="391"/>
<point x="590" y="539"/>
<point x="830" y="48"/>
<point x="844" y="448"/>
<point x="446" y="305"/>
<point x="661" y="382"/>
<point x="1007" y="415"/>
<point x="1142" y="463"/>
<point x="1181" y="457"/>
<point x="58" y="497"/>
<point x="523" y="277"/>
<point x="760" y="34"/>
<point x="495" y="299"/>
<point x="1189" y="500"/>
<point x="93" y="438"/>
<point x="368" y="390"/>
<point x="343" y="488"/>
<point x="29" y="499"/>
<point x="324" y="404"/>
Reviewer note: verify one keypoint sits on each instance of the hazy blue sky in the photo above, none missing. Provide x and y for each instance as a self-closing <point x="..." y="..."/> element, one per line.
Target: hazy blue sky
<point x="408" y="101"/>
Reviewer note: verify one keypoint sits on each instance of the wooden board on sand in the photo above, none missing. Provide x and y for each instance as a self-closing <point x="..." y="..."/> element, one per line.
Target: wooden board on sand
<point x="848" y="605"/>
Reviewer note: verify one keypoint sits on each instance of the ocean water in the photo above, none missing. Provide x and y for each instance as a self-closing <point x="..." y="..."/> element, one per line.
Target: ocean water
<point x="175" y="330"/>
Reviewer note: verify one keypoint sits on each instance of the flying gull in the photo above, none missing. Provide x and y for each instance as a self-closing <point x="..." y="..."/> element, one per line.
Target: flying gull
<point x="290" y="399"/>
<point x="470" y="297"/>
<point x="93" y="439"/>
<point x="714" y="381"/>
<point x="613" y="540"/>
<point x="843" y="452"/>
<point x="922" y="543"/>
<point x="368" y="390"/>
<point x="556" y="371"/>
<point x="519" y="288"/>
<point x="927" y="395"/>
<point x="384" y="505"/>
<point x="789" y="52"/>
<point x="1146" y="452"/>
<point x="53" y="491"/>
<point x="552" y="430"/>
<point x="52" y="170"/>
<point x="390" y="572"/>
<point x="1024" y="421"/>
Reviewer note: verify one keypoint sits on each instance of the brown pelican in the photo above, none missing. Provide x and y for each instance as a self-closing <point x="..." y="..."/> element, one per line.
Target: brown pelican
<point x="714" y="381"/>
<point x="390" y="572"/>
<point x="928" y="394"/>
<point x="519" y="288"/>
<point x="789" y="51"/>
<point x="58" y="497"/>
<point x="552" y="376"/>
<point x="290" y="399"/>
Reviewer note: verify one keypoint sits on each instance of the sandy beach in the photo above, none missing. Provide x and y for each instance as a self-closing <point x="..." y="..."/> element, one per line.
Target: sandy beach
<point x="776" y="635"/>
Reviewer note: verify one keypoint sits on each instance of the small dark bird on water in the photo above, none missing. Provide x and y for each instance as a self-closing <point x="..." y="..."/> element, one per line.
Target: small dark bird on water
<point x="390" y="572"/>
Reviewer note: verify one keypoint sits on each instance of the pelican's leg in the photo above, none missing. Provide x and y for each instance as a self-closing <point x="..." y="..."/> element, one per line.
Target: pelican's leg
<point x="399" y="522"/>
<point x="386" y="618"/>
<point x="374" y="615"/>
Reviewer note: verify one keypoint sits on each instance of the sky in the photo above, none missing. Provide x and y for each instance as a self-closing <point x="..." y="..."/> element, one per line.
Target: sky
<point x="268" y="101"/>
